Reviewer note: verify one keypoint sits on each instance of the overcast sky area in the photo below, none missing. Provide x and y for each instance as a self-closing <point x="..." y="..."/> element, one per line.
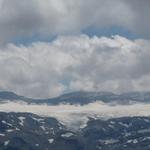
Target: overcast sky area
<point x="51" y="47"/>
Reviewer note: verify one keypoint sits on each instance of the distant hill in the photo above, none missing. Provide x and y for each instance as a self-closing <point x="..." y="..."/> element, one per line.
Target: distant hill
<point x="82" y="97"/>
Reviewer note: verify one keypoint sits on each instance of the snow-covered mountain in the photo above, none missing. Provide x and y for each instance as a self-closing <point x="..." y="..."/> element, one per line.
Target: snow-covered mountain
<point x="75" y="121"/>
<point x="26" y="131"/>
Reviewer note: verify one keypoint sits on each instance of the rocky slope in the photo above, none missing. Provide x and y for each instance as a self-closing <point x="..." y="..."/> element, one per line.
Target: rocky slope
<point x="26" y="131"/>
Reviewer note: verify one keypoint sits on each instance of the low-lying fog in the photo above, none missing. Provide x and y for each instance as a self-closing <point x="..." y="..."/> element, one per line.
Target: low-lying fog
<point x="76" y="115"/>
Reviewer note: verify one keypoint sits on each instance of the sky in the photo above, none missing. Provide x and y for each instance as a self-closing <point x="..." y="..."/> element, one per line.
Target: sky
<point x="51" y="47"/>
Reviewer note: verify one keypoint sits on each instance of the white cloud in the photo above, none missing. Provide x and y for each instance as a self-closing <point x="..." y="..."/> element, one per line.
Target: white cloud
<point x="75" y="63"/>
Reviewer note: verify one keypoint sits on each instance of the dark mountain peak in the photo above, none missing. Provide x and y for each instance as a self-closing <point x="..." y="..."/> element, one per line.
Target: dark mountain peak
<point x="85" y="94"/>
<point x="10" y="96"/>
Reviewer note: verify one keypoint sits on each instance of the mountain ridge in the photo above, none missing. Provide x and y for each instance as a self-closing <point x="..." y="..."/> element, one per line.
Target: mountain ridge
<point x="81" y="97"/>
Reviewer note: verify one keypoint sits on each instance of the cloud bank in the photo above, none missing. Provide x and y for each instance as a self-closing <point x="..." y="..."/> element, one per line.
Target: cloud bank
<point x="29" y="18"/>
<point x="72" y="63"/>
<point x="76" y="116"/>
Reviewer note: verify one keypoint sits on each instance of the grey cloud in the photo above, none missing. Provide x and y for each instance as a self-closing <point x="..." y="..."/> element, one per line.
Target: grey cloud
<point x="141" y="14"/>
<point x="54" y="17"/>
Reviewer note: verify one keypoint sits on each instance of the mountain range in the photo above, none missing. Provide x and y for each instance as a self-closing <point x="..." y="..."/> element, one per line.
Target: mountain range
<point x="81" y="97"/>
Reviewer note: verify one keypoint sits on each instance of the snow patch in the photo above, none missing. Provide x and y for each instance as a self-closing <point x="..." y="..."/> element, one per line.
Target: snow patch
<point x="50" y="141"/>
<point x="21" y="120"/>
<point x="69" y="134"/>
<point x="6" y="143"/>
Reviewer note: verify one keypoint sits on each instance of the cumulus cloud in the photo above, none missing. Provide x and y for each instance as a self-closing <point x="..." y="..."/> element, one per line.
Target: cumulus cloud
<point x="29" y="18"/>
<point x="72" y="63"/>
